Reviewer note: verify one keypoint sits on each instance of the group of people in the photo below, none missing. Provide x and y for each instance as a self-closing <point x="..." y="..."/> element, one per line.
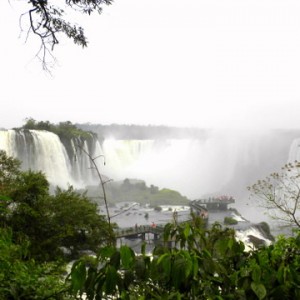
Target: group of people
<point x="153" y="225"/>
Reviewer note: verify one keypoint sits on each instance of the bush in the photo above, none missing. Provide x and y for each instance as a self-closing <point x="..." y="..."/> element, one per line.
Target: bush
<point x="23" y="278"/>
<point x="202" y="264"/>
<point x="230" y="221"/>
<point x="157" y="208"/>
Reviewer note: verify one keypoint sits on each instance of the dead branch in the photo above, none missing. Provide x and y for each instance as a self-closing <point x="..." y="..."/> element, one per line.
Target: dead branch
<point x="102" y="183"/>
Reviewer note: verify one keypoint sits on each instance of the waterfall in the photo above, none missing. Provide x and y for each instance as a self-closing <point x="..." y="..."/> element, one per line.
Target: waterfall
<point x="221" y="161"/>
<point x="44" y="151"/>
<point x="192" y="166"/>
<point x="218" y="162"/>
<point x="189" y="166"/>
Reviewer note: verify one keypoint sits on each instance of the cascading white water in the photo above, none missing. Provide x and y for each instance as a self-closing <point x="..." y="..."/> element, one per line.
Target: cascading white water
<point x="43" y="151"/>
<point x="39" y="151"/>
<point x="219" y="162"/>
<point x="51" y="157"/>
<point x="8" y="142"/>
<point x="192" y="166"/>
<point x="81" y="165"/>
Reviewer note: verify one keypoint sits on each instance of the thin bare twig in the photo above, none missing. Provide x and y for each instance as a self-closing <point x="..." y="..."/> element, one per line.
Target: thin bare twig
<point x="102" y="182"/>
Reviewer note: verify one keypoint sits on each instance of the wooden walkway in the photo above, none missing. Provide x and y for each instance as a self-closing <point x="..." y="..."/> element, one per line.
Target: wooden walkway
<point x="156" y="230"/>
<point x="140" y="231"/>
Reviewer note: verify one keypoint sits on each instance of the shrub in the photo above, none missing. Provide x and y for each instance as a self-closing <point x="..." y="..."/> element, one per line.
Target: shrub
<point x="158" y="208"/>
<point x="230" y="221"/>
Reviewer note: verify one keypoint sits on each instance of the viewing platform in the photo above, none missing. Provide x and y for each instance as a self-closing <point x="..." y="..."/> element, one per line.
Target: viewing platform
<point x="155" y="231"/>
<point x="140" y="232"/>
<point x="215" y="203"/>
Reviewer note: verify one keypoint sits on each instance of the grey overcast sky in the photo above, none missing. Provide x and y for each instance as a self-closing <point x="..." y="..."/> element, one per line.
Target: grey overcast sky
<point x="204" y="63"/>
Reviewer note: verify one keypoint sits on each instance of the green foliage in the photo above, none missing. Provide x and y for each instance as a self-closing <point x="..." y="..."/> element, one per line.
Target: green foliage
<point x="36" y="227"/>
<point x="137" y="191"/>
<point x="76" y="222"/>
<point x="167" y="196"/>
<point x="201" y="264"/>
<point x="9" y="170"/>
<point x="65" y="130"/>
<point x="192" y="263"/>
<point x="157" y="208"/>
<point x="22" y="278"/>
<point x="230" y="221"/>
<point x="66" y="220"/>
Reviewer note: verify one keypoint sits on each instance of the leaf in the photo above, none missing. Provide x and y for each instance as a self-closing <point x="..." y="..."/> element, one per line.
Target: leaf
<point x="106" y="252"/>
<point x="78" y="276"/>
<point x="181" y="268"/>
<point x="206" y="254"/>
<point x="165" y="261"/>
<point x="195" y="266"/>
<point x="256" y="273"/>
<point x="128" y="278"/>
<point x="221" y="246"/>
<point x="143" y="249"/>
<point x="186" y="231"/>
<point x="140" y="268"/>
<point x="230" y="243"/>
<point x="127" y="256"/>
<point x="4" y="198"/>
<point x="167" y="231"/>
<point x="111" y="280"/>
<point x="259" y="289"/>
<point x="162" y="257"/>
<point x="188" y="263"/>
<point x="280" y="274"/>
<point x="297" y="240"/>
<point x="115" y="260"/>
<point x="244" y="272"/>
<point x="90" y="282"/>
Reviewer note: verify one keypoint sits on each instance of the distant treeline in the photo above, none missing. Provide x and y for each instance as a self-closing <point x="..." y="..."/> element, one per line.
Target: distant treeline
<point x="142" y="132"/>
<point x="65" y="130"/>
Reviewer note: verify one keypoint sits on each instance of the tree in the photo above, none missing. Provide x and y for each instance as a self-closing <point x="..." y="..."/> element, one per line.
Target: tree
<point x="23" y="278"/>
<point x="76" y="223"/>
<point x="54" y="224"/>
<point x="9" y="169"/>
<point x="50" y="223"/>
<point x="279" y="194"/>
<point x="47" y="21"/>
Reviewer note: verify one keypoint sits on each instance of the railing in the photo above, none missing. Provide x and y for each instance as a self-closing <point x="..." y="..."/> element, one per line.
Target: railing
<point x="139" y="230"/>
<point x="215" y="200"/>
